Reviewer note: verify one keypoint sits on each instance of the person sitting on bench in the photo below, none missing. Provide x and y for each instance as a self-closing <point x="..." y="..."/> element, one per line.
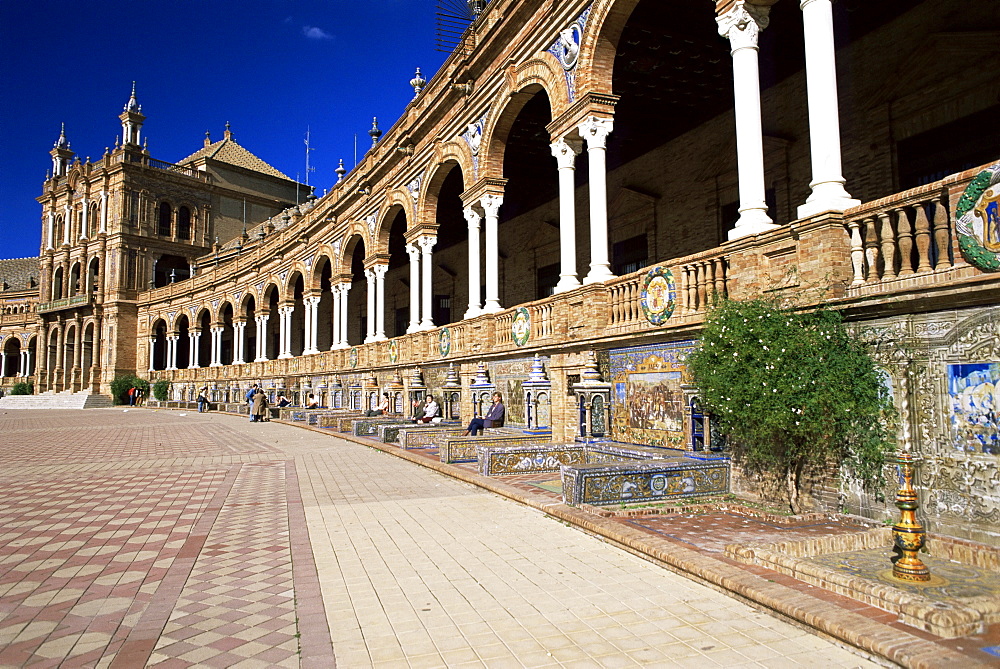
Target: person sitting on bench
<point x="431" y="410"/>
<point x="493" y="417"/>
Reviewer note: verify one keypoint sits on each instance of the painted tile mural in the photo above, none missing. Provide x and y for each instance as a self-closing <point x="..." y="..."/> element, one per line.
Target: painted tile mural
<point x="507" y="376"/>
<point x="975" y="424"/>
<point x="647" y="401"/>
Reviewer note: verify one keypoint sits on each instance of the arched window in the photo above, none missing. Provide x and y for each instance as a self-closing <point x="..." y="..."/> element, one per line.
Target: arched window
<point x="93" y="221"/>
<point x="166" y="213"/>
<point x="184" y="223"/>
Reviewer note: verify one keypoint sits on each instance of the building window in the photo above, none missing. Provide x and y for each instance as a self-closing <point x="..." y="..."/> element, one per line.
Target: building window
<point x="441" y="312"/>
<point x="547" y="278"/>
<point x="629" y="255"/>
<point x="184" y="223"/>
<point x="164" y="223"/>
<point x="953" y="147"/>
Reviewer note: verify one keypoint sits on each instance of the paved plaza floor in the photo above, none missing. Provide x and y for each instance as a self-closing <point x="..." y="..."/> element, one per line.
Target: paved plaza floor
<point x="133" y="538"/>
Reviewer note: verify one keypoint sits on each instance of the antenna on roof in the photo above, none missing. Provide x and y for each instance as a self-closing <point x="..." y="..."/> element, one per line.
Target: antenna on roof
<point x="308" y="149"/>
<point x="453" y="20"/>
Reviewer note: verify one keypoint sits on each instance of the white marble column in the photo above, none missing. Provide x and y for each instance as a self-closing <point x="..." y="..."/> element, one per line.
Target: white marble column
<point x="413" y="251"/>
<point x="595" y="131"/>
<point x="172" y="351"/>
<point x="311" y="303"/>
<point x="742" y="25"/>
<point x="3" y="365"/>
<point x="84" y="218"/>
<point x="68" y="224"/>
<point x="239" y="343"/>
<point x="152" y="353"/>
<point x="335" y="317"/>
<point x="828" y="192"/>
<point x="285" y="332"/>
<point x="50" y="225"/>
<point x="216" y="331"/>
<point x="472" y="218"/>
<point x="27" y="362"/>
<point x="380" y="272"/>
<point x="104" y="212"/>
<point x="345" y="288"/>
<point x="427" y="243"/>
<point x="261" y="353"/>
<point x="565" y="152"/>
<point x="370" y="290"/>
<point x="491" y="207"/>
<point x="194" y="341"/>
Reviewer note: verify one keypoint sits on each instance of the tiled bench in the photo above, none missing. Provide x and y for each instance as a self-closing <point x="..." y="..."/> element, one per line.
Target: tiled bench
<point x="549" y="457"/>
<point x="463" y="449"/>
<point x="389" y="434"/>
<point x="416" y="436"/>
<point x="647" y="481"/>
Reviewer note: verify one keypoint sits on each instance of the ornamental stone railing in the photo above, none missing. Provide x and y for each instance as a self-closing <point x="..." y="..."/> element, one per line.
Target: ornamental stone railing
<point x="64" y="303"/>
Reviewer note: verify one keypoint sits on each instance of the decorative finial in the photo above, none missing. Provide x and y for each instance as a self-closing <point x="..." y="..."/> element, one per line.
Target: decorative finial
<point x="208" y="138"/>
<point x="418" y="82"/>
<point x="375" y="133"/>
<point x="228" y="134"/>
<point x="482" y="376"/>
<point x="133" y="104"/>
<point x="62" y="142"/>
<point x="452" y="380"/>
<point x="340" y="171"/>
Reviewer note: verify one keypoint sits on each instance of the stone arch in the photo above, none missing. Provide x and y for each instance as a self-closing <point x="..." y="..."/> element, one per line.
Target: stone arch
<point x="175" y="322"/>
<point x="432" y="184"/>
<point x="502" y="118"/>
<point x="221" y="309"/>
<point x="271" y="285"/>
<point x="323" y="256"/>
<point x="456" y="151"/>
<point x="355" y="232"/>
<point x="600" y="42"/>
<point x="244" y="301"/>
<point x="298" y="269"/>
<point x="399" y="198"/>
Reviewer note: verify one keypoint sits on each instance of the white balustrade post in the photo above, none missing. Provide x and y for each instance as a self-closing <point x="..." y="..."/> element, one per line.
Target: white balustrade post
<point x="413" y="251"/>
<point x="565" y="152"/>
<point x="828" y="192"/>
<point x="595" y="131"/>
<point x="380" y="271"/>
<point x="427" y="243"/>
<point x="472" y="218"/>
<point x="370" y="289"/>
<point x="742" y="25"/>
<point x="491" y="207"/>
<point x="312" y="323"/>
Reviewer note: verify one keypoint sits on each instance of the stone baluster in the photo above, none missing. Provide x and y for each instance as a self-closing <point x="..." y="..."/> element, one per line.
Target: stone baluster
<point x="941" y="234"/>
<point x="692" y="296"/>
<point x="702" y="296"/>
<point x="904" y="235"/>
<point x="857" y="253"/>
<point x="871" y="250"/>
<point x="710" y="280"/>
<point x="720" y="277"/>
<point x="888" y="246"/>
<point x="923" y="235"/>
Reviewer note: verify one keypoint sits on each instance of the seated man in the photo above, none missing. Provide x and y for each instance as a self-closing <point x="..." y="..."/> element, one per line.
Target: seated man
<point x="282" y="401"/>
<point x="431" y="410"/>
<point x="493" y="417"/>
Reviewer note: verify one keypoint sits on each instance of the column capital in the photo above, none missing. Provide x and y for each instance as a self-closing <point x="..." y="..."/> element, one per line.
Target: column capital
<point x="218" y="329"/>
<point x="427" y="242"/>
<point x="379" y="271"/>
<point x="742" y="24"/>
<point x="596" y="130"/>
<point x="490" y="203"/>
<point x="472" y="218"/>
<point x="413" y="251"/>
<point x="565" y="151"/>
<point x="311" y="299"/>
<point x="369" y="274"/>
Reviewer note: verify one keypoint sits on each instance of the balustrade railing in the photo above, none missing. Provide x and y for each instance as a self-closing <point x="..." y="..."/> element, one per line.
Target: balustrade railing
<point x="541" y="320"/>
<point x="901" y="236"/>
<point x="64" y="303"/>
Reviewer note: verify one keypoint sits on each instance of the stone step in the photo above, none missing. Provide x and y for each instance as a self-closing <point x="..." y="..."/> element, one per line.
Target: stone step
<point x="63" y="400"/>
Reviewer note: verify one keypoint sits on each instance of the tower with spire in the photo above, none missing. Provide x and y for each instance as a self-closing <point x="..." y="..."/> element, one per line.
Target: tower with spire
<point x="61" y="154"/>
<point x="132" y="118"/>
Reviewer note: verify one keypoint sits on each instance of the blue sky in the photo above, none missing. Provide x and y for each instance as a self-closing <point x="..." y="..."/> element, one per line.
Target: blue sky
<point x="269" y="67"/>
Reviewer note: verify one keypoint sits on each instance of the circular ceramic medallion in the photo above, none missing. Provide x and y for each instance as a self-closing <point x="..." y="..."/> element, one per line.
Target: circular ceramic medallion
<point x="352" y="357"/>
<point x="444" y="342"/>
<point x="659" y="295"/>
<point x="520" y="328"/>
<point x="393" y="351"/>
<point x="977" y="218"/>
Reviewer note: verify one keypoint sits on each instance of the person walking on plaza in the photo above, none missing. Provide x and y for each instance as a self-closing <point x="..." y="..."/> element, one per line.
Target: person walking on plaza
<point x="258" y="406"/>
<point x="131" y="396"/>
<point x="493" y="417"/>
<point x="203" y="400"/>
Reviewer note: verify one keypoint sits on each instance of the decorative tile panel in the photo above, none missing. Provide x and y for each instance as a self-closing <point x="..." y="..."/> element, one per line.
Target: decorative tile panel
<point x="464" y="449"/>
<point x="599" y="484"/>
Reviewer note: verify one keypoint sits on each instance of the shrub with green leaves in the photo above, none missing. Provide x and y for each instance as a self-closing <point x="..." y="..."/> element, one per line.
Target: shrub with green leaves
<point x="161" y="389"/>
<point x="22" y="388"/>
<point x="121" y="384"/>
<point x="793" y="389"/>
